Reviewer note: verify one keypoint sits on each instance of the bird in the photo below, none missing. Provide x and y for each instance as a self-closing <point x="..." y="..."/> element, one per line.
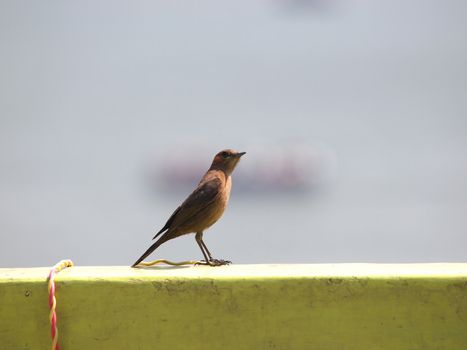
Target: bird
<point x="202" y="208"/>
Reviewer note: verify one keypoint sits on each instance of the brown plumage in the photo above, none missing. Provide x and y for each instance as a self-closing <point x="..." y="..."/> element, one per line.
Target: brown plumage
<point x="203" y="207"/>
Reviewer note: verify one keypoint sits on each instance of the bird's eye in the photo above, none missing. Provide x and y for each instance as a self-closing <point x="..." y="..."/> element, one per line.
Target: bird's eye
<point x="224" y="154"/>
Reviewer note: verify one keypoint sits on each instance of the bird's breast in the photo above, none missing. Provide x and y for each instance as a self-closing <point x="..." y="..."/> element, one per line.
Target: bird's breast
<point x="227" y="188"/>
<point x="220" y="203"/>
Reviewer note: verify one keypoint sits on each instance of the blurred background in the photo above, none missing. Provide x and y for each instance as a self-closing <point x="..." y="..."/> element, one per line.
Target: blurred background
<point x="353" y="114"/>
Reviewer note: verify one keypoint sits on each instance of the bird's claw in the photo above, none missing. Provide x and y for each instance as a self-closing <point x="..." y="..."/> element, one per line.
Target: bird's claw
<point x="214" y="262"/>
<point x="219" y="262"/>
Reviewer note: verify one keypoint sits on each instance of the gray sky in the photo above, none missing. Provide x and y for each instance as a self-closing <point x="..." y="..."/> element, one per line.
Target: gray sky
<point x="93" y="94"/>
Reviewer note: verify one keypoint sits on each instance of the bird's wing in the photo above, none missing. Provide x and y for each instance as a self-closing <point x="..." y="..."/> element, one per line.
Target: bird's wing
<point x="168" y="223"/>
<point x="201" y="198"/>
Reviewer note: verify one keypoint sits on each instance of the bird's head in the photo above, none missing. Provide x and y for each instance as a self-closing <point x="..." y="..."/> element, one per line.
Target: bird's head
<point x="226" y="160"/>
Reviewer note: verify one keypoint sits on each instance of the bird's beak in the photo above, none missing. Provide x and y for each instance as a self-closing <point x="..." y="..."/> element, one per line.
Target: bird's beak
<point x="239" y="154"/>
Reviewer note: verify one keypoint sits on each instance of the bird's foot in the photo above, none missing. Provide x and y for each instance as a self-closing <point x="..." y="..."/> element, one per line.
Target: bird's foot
<point x="214" y="262"/>
<point x="219" y="262"/>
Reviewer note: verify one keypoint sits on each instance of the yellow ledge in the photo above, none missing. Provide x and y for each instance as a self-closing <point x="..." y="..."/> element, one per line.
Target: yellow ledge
<point x="343" y="306"/>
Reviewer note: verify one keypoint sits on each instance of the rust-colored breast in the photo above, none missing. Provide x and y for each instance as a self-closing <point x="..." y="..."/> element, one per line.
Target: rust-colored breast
<point x="215" y="210"/>
<point x="224" y="196"/>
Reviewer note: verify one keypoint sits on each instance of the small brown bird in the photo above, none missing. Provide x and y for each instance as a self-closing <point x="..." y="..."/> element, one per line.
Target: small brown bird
<point x="203" y="207"/>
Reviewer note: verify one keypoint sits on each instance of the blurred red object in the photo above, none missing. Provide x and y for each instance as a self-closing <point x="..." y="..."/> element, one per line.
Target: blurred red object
<point x="296" y="168"/>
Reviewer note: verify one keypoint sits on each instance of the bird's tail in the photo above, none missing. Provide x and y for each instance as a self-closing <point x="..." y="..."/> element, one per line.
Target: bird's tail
<point x="152" y="248"/>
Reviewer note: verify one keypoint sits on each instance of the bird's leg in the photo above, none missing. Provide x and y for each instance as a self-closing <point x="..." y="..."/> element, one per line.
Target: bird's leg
<point x="206" y="249"/>
<point x="207" y="254"/>
<point x="216" y="262"/>
<point x="199" y="240"/>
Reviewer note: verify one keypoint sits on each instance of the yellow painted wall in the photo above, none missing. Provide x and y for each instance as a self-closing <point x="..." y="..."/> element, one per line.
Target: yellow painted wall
<point x="345" y="306"/>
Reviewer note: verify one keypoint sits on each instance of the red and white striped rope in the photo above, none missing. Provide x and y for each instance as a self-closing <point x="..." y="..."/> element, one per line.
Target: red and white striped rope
<point x="53" y="302"/>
